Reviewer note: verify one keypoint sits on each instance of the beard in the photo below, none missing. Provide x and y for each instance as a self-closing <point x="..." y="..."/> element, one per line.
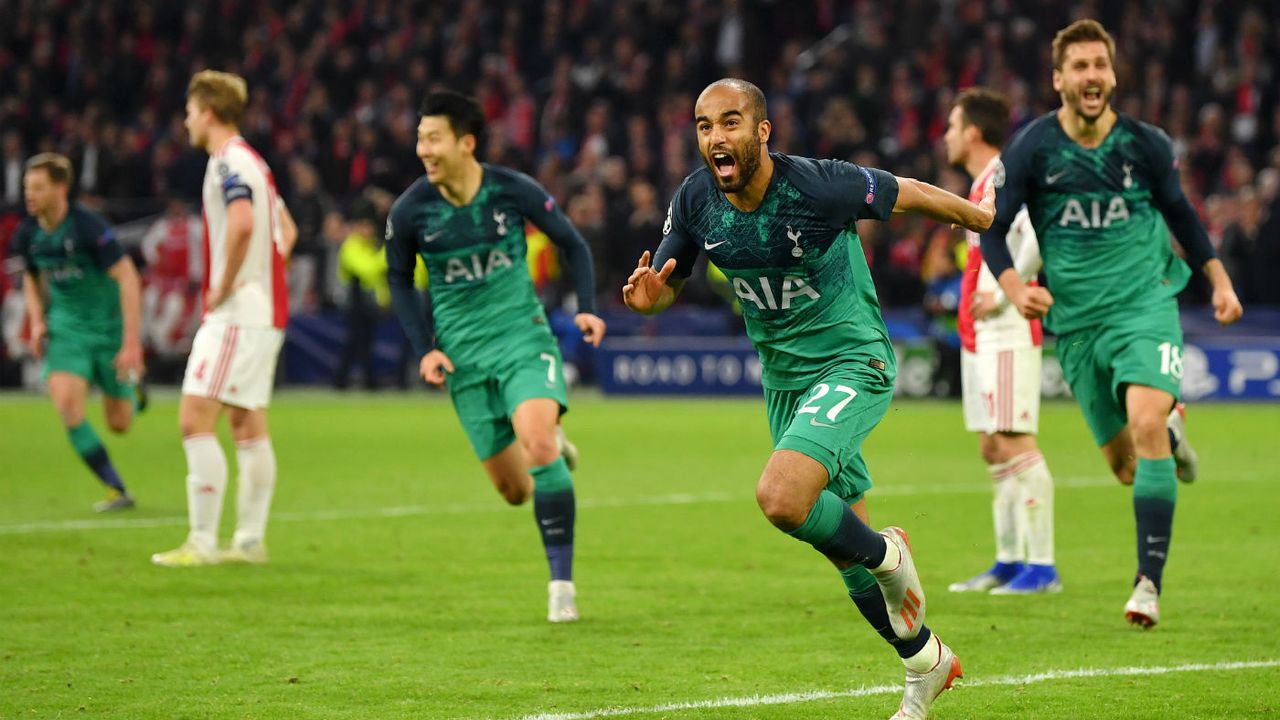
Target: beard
<point x="747" y="157"/>
<point x="1075" y="100"/>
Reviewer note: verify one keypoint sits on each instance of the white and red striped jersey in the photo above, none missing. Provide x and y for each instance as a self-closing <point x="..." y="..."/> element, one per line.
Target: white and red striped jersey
<point x="1006" y="329"/>
<point x="259" y="297"/>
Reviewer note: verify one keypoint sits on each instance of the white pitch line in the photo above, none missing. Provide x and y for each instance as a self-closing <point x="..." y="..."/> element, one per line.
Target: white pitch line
<point x="365" y="513"/>
<point x="886" y="490"/>
<point x="801" y="697"/>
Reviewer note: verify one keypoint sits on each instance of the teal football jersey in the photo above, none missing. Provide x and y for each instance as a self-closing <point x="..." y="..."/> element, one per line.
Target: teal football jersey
<point x="1098" y="215"/>
<point x="795" y="263"/>
<point x="73" y="260"/>
<point x="483" y="299"/>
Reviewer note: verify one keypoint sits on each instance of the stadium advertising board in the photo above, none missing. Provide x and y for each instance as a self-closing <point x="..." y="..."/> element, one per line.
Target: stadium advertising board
<point x="1214" y="369"/>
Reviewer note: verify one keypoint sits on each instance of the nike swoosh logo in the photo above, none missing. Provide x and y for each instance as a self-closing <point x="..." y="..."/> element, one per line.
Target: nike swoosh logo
<point x="709" y="245"/>
<point x="551" y="521"/>
<point x="1154" y="539"/>
<point x="814" y="422"/>
<point x="432" y="236"/>
<point x="1051" y="179"/>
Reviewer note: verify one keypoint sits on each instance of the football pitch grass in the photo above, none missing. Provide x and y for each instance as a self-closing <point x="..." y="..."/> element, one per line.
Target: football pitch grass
<point x="401" y="586"/>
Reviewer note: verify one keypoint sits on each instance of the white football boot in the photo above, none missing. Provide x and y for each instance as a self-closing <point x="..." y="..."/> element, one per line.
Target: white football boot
<point x="189" y="554"/>
<point x="924" y="688"/>
<point x="1143" y="608"/>
<point x="999" y="574"/>
<point x="115" y="502"/>
<point x="1183" y="455"/>
<point x="561" y="607"/>
<point x="568" y="450"/>
<point x="249" y="552"/>
<point x="903" y="593"/>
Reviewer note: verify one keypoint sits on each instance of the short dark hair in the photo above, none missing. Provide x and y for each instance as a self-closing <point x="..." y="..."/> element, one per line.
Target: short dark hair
<point x="1080" y="31"/>
<point x="463" y="112"/>
<point x="755" y="97"/>
<point x="987" y="110"/>
<point x="57" y="166"/>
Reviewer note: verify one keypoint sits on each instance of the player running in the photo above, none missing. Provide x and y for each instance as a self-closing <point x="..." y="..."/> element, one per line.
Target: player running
<point x="1000" y="370"/>
<point x="782" y="228"/>
<point x="233" y="356"/>
<point x="1100" y="186"/>
<point x="92" y="320"/>
<point x="486" y="337"/>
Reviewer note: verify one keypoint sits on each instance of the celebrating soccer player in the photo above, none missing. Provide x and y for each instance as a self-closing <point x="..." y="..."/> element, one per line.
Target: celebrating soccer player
<point x="783" y="230"/>
<point x="93" y="318"/>
<point x="1000" y="370"/>
<point x="233" y="356"/>
<point x="1100" y="187"/>
<point x="486" y="336"/>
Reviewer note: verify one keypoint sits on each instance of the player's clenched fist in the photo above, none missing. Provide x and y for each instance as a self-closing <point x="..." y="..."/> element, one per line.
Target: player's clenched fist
<point x="1226" y="305"/>
<point x="1033" y="302"/>
<point x="592" y="327"/>
<point x="646" y="290"/>
<point x="433" y="367"/>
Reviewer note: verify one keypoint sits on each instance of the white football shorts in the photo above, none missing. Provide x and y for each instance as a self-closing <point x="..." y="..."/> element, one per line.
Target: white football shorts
<point x="233" y="364"/>
<point x="1001" y="390"/>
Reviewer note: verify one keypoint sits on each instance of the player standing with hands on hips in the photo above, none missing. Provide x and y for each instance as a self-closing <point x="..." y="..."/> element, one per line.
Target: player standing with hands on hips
<point x="233" y="355"/>
<point x="1000" y="369"/>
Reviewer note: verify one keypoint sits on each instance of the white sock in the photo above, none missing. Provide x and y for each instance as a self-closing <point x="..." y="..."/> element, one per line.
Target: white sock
<point x="206" y="483"/>
<point x="1007" y="513"/>
<point x="257" y="482"/>
<point x="927" y="659"/>
<point x="892" y="558"/>
<point x="1036" y="485"/>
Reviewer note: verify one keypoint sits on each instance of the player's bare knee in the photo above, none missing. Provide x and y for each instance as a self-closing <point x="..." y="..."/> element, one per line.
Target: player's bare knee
<point x="1149" y="431"/>
<point x="1123" y="468"/>
<point x="782" y="508"/>
<point x="540" y="450"/>
<point x="119" y="423"/>
<point x="515" y="492"/>
<point x="190" y="423"/>
<point x="71" y="414"/>
<point x="991" y="451"/>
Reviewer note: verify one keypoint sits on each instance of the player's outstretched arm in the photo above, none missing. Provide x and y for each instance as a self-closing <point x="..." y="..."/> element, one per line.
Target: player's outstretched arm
<point x="647" y="291"/>
<point x="129" y="361"/>
<point x="934" y="202"/>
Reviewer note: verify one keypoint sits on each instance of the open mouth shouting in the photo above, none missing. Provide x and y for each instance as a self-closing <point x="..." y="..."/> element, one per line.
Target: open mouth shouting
<point x="724" y="164"/>
<point x="1092" y="99"/>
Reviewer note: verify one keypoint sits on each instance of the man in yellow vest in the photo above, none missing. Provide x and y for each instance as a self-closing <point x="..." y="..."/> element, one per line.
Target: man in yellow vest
<point x="362" y="269"/>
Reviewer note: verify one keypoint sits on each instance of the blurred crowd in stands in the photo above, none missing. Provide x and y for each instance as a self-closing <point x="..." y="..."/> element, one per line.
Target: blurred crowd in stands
<point x="594" y="98"/>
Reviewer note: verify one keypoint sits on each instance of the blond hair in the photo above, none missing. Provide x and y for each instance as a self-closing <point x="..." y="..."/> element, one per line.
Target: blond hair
<point x="1080" y="31"/>
<point x="222" y="92"/>
<point x="58" y="167"/>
